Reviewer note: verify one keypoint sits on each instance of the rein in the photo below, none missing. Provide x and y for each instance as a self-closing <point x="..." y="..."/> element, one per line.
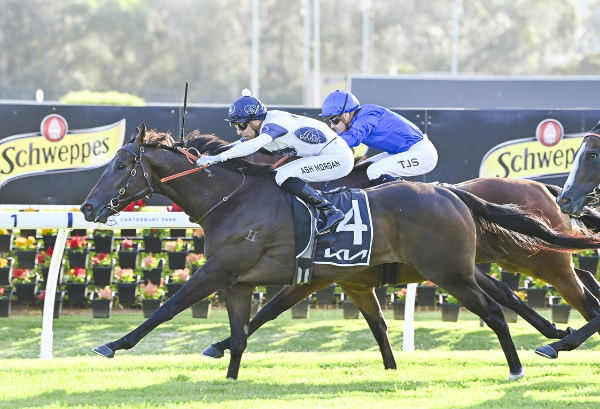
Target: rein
<point x="114" y="202"/>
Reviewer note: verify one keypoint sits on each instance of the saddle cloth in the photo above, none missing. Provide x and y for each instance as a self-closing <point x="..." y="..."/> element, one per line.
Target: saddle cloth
<point x="349" y="244"/>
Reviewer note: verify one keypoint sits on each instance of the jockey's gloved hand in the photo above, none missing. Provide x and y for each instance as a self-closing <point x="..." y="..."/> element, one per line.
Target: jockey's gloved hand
<point x="206" y="160"/>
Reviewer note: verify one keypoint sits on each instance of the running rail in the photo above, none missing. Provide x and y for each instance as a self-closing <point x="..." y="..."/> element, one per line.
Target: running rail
<point x="63" y="221"/>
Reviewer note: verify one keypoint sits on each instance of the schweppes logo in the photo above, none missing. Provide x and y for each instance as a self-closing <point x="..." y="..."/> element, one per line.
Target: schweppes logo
<point x="58" y="149"/>
<point x="549" y="153"/>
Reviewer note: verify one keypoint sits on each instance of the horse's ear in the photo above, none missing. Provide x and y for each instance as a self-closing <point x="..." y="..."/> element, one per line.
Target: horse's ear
<point x="141" y="133"/>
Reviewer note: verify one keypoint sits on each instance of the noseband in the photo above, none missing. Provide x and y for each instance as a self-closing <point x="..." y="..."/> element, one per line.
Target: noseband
<point x="113" y="204"/>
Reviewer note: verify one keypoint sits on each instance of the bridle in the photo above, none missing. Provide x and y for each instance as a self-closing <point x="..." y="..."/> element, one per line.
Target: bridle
<point x="113" y="204"/>
<point x="120" y="197"/>
<point x="594" y="195"/>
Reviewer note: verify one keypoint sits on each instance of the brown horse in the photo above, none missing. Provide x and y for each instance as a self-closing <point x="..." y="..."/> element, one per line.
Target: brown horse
<point x="581" y="189"/>
<point x="577" y="287"/>
<point x="234" y="198"/>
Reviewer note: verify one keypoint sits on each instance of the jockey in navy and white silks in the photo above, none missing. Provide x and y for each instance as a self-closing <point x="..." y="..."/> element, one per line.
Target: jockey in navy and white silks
<point x="323" y="154"/>
<point x="406" y="150"/>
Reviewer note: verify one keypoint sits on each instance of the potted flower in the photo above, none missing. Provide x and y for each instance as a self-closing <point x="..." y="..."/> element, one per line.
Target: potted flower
<point x="5" y="301"/>
<point x="27" y="248"/>
<point x="176" y="280"/>
<point x="103" y="302"/>
<point x="324" y="296"/>
<point x="6" y="270"/>
<point x="25" y="282"/>
<point x="103" y="240"/>
<point x="426" y="294"/>
<point x="6" y="240"/>
<point x="135" y="206"/>
<point x="450" y="308"/>
<point x="153" y="240"/>
<point x="202" y="308"/>
<point x="128" y="254"/>
<point x="77" y="252"/>
<point x="512" y="279"/>
<point x="152" y="297"/>
<point x="43" y="259"/>
<point x="560" y="310"/>
<point x="76" y="281"/>
<point x="58" y="302"/>
<point x="198" y="239"/>
<point x="176" y="252"/>
<point x="49" y="238"/>
<point x="351" y="311"/>
<point x="152" y="268"/>
<point x="510" y="315"/>
<point x="399" y="303"/>
<point x="536" y="293"/>
<point x="195" y="260"/>
<point x="301" y="309"/>
<point x="588" y="260"/>
<point x="102" y="268"/>
<point x="127" y="285"/>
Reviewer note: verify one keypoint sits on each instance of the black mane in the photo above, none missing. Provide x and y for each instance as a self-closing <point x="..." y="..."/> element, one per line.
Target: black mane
<point x="213" y="145"/>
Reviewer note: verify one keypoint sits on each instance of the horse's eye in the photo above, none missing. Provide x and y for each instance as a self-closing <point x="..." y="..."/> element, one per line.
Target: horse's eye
<point x="120" y="166"/>
<point x="591" y="155"/>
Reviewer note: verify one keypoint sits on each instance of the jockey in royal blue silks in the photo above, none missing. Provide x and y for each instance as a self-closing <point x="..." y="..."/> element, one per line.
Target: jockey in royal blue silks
<point x="323" y="154"/>
<point x="406" y="150"/>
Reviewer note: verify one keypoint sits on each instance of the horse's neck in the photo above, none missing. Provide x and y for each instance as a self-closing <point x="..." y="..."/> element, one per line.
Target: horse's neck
<point x="195" y="193"/>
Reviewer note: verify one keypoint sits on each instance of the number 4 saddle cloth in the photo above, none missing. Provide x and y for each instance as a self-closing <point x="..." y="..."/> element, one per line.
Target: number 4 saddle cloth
<point x="347" y="244"/>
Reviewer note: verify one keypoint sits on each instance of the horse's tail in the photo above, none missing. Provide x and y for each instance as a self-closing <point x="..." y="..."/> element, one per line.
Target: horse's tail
<point x="529" y="230"/>
<point x="590" y="216"/>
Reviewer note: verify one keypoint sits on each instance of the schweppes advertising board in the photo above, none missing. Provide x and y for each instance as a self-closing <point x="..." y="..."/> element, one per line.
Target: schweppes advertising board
<point x="549" y="153"/>
<point x="56" y="148"/>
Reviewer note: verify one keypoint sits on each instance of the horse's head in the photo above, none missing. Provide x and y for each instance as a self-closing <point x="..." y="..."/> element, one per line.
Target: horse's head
<point x="124" y="180"/>
<point x="582" y="186"/>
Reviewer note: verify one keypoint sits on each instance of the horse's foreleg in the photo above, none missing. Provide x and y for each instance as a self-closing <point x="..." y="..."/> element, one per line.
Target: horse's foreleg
<point x="503" y="294"/>
<point x="571" y="341"/>
<point x="197" y="288"/>
<point x="286" y="298"/>
<point x="368" y="304"/>
<point x="238" y="308"/>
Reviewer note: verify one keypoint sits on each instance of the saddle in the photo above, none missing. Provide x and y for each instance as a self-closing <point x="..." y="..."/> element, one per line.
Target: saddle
<point x="348" y="244"/>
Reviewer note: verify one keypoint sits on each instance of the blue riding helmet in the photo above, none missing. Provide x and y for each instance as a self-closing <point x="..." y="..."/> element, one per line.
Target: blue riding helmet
<point x="339" y="102"/>
<point x="246" y="108"/>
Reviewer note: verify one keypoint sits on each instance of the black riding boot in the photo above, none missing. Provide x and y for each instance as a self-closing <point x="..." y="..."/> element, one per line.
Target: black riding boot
<point x="383" y="179"/>
<point x="331" y="214"/>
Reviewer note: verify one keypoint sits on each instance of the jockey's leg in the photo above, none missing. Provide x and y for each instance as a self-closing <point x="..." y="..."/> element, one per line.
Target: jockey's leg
<point x="331" y="214"/>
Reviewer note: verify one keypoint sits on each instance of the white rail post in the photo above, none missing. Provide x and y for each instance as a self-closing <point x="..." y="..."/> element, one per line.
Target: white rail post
<point x="48" y="314"/>
<point x="408" y="337"/>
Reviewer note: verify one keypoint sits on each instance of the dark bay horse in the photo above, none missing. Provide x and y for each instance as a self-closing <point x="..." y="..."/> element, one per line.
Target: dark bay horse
<point x="577" y="287"/>
<point x="409" y="219"/>
<point x="580" y="189"/>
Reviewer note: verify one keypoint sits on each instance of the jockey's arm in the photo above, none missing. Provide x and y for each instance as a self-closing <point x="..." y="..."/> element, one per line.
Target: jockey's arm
<point x="247" y="147"/>
<point x="362" y="127"/>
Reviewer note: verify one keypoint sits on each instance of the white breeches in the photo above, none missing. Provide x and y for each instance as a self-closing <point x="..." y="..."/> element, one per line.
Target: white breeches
<point x="418" y="160"/>
<point x="335" y="161"/>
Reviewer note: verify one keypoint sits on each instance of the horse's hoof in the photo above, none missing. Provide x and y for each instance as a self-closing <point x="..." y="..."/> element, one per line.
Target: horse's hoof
<point x="514" y="377"/>
<point x="213" y="352"/>
<point x="547" y="352"/>
<point x="104" y="350"/>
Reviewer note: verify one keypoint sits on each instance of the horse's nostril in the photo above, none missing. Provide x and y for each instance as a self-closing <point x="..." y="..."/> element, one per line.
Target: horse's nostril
<point x="87" y="207"/>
